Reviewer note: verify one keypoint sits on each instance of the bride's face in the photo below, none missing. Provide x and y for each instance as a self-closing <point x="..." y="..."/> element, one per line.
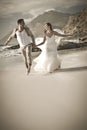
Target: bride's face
<point x="46" y="27"/>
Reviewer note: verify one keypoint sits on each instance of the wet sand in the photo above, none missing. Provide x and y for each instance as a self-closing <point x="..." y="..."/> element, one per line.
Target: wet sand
<point x="55" y="101"/>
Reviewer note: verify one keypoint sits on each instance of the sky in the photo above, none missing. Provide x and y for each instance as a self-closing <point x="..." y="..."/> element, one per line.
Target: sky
<point x="11" y="10"/>
<point x="34" y="7"/>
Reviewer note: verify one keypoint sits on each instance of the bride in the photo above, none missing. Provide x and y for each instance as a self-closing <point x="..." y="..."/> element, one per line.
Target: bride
<point x="48" y="60"/>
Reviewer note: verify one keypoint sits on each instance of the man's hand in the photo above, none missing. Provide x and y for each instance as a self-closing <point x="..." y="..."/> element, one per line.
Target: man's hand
<point x="34" y="45"/>
<point x="6" y="43"/>
<point x="9" y="39"/>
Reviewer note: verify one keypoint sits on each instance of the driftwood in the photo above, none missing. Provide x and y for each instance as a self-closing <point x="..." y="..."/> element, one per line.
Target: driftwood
<point x="17" y="47"/>
<point x="71" y="45"/>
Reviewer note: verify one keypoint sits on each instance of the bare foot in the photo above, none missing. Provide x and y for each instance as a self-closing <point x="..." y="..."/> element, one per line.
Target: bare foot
<point x="28" y="69"/>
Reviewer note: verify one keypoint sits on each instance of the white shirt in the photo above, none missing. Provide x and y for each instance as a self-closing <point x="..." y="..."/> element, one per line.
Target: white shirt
<point x="22" y="38"/>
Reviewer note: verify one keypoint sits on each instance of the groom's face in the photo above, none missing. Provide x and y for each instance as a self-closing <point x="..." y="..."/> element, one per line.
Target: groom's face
<point x="21" y="25"/>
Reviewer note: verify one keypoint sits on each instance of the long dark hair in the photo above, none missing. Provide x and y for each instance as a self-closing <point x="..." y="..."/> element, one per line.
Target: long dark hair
<point x="49" y="24"/>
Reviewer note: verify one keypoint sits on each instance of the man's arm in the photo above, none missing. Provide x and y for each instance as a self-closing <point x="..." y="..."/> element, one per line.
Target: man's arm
<point x="29" y="33"/>
<point x="10" y="37"/>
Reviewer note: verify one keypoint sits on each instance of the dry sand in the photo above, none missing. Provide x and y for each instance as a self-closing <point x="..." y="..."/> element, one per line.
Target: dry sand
<point x="54" y="101"/>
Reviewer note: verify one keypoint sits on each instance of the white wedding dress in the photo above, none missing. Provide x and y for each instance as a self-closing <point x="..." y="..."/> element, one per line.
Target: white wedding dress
<point x="48" y="60"/>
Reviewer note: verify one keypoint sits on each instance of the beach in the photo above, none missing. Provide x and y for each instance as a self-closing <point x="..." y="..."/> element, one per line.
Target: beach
<point x="44" y="101"/>
<point x="55" y="101"/>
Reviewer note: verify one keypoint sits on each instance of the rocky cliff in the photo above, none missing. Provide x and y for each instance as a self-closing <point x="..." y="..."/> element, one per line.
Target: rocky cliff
<point x="77" y="25"/>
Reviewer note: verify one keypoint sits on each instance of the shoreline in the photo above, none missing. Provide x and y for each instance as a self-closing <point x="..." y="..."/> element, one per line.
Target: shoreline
<point x="7" y="62"/>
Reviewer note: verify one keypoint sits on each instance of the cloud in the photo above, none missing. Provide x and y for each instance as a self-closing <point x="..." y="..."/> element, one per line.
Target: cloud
<point x="8" y="7"/>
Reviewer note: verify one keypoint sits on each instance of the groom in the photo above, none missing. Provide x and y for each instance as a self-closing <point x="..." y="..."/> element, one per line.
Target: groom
<point x="24" y="37"/>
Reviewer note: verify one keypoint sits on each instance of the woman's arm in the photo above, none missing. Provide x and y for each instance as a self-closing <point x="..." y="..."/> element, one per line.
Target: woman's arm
<point x="44" y="39"/>
<point x="61" y="35"/>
